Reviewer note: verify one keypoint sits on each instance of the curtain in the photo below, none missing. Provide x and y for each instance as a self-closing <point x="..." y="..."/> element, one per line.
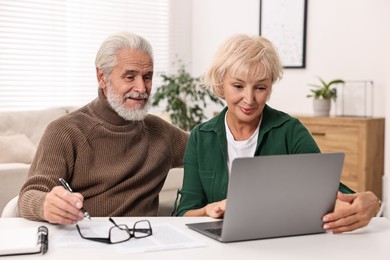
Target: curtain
<point x="48" y="47"/>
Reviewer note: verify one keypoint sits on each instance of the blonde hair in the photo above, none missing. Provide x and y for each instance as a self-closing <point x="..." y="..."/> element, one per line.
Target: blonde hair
<point x="242" y="52"/>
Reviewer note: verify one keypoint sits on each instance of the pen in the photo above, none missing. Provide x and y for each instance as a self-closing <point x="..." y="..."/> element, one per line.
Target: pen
<point x="67" y="187"/>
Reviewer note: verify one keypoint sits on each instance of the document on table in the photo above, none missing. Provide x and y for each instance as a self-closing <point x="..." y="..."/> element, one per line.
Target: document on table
<point x="165" y="237"/>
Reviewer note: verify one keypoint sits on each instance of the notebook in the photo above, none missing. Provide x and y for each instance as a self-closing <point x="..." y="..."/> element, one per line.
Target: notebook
<point x="24" y="241"/>
<point x="277" y="196"/>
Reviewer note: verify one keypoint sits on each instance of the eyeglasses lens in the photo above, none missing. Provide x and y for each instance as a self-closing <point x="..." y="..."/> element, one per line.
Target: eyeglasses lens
<point x="119" y="234"/>
<point x="142" y="229"/>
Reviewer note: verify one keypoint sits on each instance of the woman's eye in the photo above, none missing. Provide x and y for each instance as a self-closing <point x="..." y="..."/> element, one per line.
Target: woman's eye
<point x="237" y="86"/>
<point x="261" y="87"/>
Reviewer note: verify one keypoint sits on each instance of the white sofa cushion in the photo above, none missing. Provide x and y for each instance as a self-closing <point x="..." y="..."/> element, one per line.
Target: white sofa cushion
<point x="12" y="176"/>
<point x="31" y="123"/>
<point x="16" y="149"/>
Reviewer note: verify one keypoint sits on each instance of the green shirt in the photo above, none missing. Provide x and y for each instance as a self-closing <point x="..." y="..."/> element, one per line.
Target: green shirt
<point x="205" y="162"/>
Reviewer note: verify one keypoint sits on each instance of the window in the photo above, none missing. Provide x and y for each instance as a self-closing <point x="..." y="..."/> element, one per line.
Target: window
<point x="48" y="47"/>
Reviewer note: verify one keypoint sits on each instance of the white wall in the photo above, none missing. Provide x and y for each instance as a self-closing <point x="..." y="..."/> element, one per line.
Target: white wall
<point x="346" y="39"/>
<point x="181" y="34"/>
<point x="342" y="42"/>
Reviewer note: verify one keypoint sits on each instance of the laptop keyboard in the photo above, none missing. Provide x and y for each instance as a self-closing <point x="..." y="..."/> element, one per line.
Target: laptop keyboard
<point x="216" y="231"/>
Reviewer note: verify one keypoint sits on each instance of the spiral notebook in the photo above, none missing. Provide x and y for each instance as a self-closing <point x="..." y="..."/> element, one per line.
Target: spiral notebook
<point x="24" y="241"/>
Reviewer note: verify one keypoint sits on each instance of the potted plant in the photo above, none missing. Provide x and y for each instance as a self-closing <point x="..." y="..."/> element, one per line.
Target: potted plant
<point x="323" y="94"/>
<point x="185" y="98"/>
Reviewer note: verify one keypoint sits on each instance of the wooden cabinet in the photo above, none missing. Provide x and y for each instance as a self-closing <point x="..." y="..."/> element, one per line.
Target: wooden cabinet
<point x="362" y="141"/>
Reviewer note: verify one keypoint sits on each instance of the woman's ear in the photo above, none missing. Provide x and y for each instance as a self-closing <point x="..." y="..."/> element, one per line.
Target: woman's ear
<point x="101" y="78"/>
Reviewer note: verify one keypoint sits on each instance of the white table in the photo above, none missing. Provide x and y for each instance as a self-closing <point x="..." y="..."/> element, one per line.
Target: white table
<point x="371" y="242"/>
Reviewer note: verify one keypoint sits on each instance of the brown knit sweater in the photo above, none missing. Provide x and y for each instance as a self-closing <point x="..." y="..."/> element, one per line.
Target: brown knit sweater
<point x="118" y="166"/>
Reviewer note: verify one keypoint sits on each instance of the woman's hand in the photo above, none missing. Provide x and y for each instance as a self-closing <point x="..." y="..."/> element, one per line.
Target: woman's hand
<point x="216" y="209"/>
<point x="352" y="211"/>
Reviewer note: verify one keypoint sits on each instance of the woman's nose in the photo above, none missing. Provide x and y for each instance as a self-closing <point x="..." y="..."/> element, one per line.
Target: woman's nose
<point x="248" y="96"/>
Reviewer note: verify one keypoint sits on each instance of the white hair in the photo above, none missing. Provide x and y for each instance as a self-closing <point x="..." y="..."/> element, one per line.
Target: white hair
<point x="106" y="56"/>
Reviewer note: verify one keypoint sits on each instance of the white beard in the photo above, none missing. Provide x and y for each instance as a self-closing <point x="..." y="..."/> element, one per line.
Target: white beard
<point x="116" y="102"/>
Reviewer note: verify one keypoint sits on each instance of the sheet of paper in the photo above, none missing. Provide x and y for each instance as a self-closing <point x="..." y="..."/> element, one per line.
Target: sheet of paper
<point x="165" y="237"/>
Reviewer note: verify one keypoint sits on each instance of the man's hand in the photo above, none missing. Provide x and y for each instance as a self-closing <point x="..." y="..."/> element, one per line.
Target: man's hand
<point x="352" y="211"/>
<point x="63" y="207"/>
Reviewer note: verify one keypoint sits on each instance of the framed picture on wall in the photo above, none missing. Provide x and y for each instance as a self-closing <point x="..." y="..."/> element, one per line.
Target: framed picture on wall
<point x="284" y="23"/>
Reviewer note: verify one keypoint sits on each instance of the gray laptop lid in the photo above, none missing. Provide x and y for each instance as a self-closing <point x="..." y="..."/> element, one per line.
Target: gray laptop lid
<point x="279" y="195"/>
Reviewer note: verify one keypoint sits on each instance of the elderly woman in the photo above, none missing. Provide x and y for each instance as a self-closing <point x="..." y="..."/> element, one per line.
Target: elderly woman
<point x="243" y="73"/>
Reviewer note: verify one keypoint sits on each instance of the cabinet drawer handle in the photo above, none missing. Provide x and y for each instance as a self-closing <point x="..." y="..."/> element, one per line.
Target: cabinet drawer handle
<point x="318" y="134"/>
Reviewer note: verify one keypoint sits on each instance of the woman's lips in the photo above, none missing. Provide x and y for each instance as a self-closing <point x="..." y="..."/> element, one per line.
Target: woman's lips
<point x="247" y="111"/>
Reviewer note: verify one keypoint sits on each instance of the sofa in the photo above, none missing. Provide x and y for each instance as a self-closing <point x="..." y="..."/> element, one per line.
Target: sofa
<point x="20" y="133"/>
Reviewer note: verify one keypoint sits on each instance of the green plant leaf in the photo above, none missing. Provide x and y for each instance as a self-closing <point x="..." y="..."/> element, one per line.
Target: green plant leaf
<point x="185" y="98"/>
<point x="324" y="90"/>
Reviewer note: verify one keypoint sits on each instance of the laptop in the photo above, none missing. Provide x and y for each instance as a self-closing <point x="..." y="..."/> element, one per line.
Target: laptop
<point x="277" y="196"/>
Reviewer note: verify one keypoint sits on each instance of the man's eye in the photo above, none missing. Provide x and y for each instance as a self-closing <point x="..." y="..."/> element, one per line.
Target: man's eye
<point x="148" y="78"/>
<point x="130" y="78"/>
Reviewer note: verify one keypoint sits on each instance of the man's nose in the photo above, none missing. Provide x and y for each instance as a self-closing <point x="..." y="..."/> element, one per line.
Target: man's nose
<point x="139" y="85"/>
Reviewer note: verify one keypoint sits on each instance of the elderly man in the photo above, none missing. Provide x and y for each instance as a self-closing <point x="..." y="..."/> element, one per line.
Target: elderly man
<point x="110" y="151"/>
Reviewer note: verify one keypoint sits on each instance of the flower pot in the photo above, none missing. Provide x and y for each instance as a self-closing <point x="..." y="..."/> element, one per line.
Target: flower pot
<point x="321" y="107"/>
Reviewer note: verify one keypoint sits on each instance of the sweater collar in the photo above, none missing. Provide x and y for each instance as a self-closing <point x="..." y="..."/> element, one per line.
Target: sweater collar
<point x="104" y="111"/>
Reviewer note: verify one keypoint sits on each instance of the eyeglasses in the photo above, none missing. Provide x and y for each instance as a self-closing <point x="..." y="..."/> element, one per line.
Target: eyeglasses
<point x="121" y="233"/>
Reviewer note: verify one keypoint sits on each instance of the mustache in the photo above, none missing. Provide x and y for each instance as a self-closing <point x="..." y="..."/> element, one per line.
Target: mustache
<point x="136" y="95"/>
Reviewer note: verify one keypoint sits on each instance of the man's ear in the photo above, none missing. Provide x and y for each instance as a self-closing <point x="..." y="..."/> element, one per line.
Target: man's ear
<point x="101" y="78"/>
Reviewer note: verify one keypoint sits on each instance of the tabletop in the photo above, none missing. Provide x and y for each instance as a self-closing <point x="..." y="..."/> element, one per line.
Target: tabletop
<point x="371" y="242"/>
